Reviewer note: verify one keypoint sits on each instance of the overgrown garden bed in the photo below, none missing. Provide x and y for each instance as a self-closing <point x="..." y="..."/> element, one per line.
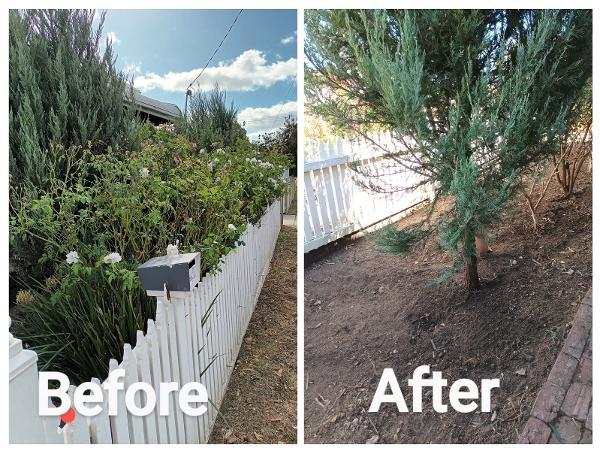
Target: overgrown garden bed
<point x="94" y="192"/>
<point x="112" y="212"/>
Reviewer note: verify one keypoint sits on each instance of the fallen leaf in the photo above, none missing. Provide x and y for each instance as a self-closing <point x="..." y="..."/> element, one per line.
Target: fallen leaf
<point x="372" y="440"/>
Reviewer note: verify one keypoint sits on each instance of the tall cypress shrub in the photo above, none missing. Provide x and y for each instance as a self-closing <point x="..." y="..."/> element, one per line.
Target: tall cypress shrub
<point x="211" y="123"/>
<point x="473" y="97"/>
<point x="64" y="91"/>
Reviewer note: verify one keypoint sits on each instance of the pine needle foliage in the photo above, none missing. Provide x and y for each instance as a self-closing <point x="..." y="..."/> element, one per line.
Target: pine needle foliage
<point x="473" y="98"/>
<point x="391" y="240"/>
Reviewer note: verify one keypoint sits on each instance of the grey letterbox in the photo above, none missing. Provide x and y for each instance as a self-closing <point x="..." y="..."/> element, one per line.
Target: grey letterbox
<point x="180" y="272"/>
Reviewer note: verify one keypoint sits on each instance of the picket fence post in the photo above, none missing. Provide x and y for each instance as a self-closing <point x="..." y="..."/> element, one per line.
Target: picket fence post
<point x="25" y="425"/>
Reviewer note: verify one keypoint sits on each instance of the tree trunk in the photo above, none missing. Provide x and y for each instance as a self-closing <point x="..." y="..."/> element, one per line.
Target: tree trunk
<point x="471" y="275"/>
<point x="481" y="245"/>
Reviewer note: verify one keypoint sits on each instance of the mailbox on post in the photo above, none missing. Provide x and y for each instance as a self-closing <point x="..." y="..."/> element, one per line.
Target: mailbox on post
<point x="179" y="272"/>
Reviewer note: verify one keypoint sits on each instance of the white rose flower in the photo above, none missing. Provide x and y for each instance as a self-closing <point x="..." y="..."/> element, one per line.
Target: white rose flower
<point x="72" y="257"/>
<point x="172" y="250"/>
<point x="231" y="227"/>
<point x="144" y="172"/>
<point x="112" y="258"/>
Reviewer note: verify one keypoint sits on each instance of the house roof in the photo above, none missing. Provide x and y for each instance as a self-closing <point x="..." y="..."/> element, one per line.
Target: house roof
<point x="156" y="107"/>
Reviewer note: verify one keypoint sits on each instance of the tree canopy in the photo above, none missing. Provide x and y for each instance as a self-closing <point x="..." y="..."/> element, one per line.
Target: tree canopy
<point x="472" y="97"/>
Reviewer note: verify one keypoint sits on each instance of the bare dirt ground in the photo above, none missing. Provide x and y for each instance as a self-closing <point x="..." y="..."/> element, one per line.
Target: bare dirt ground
<point x="365" y="311"/>
<point x="260" y="402"/>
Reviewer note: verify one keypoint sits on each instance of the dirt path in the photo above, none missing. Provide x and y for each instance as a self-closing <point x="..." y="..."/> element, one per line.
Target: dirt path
<point x="260" y="403"/>
<point x="366" y="311"/>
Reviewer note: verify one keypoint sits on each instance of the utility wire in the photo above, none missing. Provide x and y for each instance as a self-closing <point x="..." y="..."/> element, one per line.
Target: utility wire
<point x="188" y="92"/>
<point x="282" y="104"/>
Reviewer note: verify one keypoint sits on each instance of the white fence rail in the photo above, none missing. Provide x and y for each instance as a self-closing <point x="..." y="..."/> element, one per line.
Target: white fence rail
<point x="336" y="201"/>
<point x="196" y="336"/>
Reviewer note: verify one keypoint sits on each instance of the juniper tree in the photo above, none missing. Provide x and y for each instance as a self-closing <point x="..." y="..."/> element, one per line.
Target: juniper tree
<point x="64" y="90"/>
<point x="472" y="98"/>
<point x="211" y="123"/>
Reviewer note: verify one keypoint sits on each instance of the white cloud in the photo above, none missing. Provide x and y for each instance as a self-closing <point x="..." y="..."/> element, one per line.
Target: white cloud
<point x="132" y="68"/>
<point x="289" y="39"/>
<point x="249" y="71"/>
<point x="261" y="120"/>
<point x="113" y="38"/>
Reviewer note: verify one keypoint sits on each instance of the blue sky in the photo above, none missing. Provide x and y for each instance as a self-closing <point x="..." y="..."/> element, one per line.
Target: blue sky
<point x="165" y="49"/>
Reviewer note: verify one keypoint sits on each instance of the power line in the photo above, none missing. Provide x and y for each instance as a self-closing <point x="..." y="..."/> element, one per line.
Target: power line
<point x="188" y="92"/>
<point x="282" y="105"/>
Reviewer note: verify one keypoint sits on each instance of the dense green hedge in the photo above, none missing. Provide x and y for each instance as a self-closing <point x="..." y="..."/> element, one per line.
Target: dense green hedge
<point x="81" y="299"/>
<point x="64" y="90"/>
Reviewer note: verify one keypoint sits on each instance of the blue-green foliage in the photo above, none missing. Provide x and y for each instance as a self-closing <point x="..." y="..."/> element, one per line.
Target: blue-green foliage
<point x="476" y="97"/>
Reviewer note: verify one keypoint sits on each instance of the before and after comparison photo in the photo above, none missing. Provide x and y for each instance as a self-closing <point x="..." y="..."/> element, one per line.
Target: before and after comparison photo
<point x="313" y="223"/>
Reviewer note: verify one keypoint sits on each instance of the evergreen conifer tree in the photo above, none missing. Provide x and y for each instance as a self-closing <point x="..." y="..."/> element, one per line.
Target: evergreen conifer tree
<point x="64" y="90"/>
<point x="473" y="99"/>
<point x="211" y="123"/>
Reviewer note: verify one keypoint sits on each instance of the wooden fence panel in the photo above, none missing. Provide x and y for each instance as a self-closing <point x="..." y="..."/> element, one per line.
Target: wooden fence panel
<point x="338" y="200"/>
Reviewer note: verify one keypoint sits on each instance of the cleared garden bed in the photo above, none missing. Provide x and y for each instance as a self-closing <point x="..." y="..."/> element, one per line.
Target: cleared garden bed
<point x="365" y="311"/>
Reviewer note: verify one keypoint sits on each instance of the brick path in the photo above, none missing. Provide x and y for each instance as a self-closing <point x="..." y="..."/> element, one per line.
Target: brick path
<point x="562" y="412"/>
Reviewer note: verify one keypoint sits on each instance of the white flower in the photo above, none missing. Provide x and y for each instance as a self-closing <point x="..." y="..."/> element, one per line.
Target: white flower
<point x="72" y="257"/>
<point x="144" y="172"/>
<point x="231" y="227"/>
<point x="166" y="126"/>
<point x="172" y="250"/>
<point x="202" y="151"/>
<point x="112" y="258"/>
<point x="219" y="151"/>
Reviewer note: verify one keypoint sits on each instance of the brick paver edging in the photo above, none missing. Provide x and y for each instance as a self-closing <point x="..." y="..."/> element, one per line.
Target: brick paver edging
<point x="562" y="411"/>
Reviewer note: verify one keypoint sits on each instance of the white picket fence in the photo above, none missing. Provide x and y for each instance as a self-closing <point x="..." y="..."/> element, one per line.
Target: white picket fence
<point x="288" y="196"/>
<point x="336" y="202"/>
<point x="191" y="339"/>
